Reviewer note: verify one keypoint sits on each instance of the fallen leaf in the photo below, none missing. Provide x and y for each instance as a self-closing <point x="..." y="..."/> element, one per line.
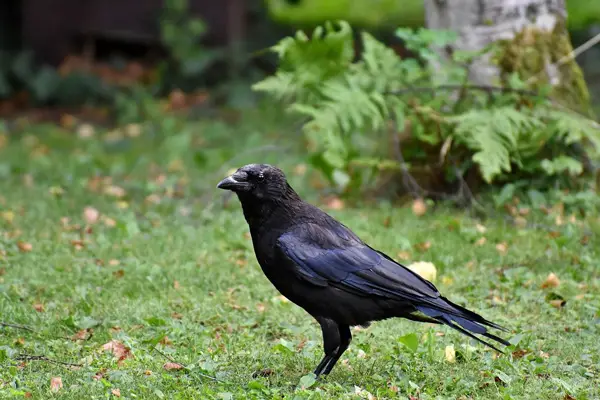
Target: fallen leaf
<point x="502" y="248"/>
<point x="423" y="246"/>
<point x="334" y="203"/>
<point x="519" y="353"/>
<point x="133" y="130"/>
<point x="425" y="269"/>
<point x="176" y="315"/>
<point x="260" y="307"/>
<point x="165" y="341"/>
<point x="176" y="285"/>
<point x="115" y="191"/>
<point x="113" y="263"/>
<point x="91" y="215"/>
<point x="263" y="373"/>
<point x="39" y="307"/>
<point x="419" y="208"/>
<point x="24" y="247"/>
<point x="481" y="241"/>
<point x="78" y="244"/>
<point x="147" y="372"/>
<point x="109" y="222"/>
<point x="119" y="274"/>
<point x="551" y="281"/>
<point x="480" y="228"/>
<point x="300" y="169"/>
<point x="558" y="303"/>
<point x="404" y="255"/>
<point x="85" y="131"/>
<point x="116" y="392"/>
<point x="8" y="216"/>
<point x="450" y="353"/>
<point x="118" y="349"/>
<point x="56" y="384"/>
<point x="172" y="366"/>
<point x="520" y="222"/>
<point x="83" y="334"/>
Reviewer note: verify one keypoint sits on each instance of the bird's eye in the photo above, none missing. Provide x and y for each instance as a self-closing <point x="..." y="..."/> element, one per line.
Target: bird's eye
<point x="261" y="177"/>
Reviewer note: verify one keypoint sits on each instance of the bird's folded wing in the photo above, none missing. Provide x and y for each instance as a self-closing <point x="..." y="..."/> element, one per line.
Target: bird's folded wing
<point x="333" y="255"/>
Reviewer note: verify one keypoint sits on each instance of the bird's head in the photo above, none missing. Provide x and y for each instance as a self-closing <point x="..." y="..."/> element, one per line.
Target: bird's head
<point x="260" y="181"/>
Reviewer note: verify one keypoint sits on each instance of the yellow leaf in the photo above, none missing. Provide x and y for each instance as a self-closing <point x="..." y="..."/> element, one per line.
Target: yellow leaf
<point x="450" y="354"/>
<point x="425" y="269"/>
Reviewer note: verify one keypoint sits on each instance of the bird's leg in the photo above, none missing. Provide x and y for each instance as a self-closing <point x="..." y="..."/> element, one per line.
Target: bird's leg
<point x="331" y="342"/>
<point x="345" y="339"/>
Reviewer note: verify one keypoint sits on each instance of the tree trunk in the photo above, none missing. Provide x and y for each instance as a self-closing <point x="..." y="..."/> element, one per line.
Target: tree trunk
<point x="532" y="37"/>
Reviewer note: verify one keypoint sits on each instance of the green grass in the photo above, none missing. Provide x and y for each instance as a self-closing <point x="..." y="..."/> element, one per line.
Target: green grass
<point x="186" y="270"/>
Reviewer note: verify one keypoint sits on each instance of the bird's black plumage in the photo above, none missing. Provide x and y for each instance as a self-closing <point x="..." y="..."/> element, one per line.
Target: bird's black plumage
<point x="323" y="267"/>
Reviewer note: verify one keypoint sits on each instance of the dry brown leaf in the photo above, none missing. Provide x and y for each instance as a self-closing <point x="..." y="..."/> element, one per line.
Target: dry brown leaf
<point x="172" y="366"/>
<point x="91" y="215"/>
<point x="56" y="384"/>
<point x="551" y="281"/>
<point x="404" y="255"/>
<point x="334" y="203"/>
<point x="153" y="199"/>
<point x="176" y="285"/>
<point x="147" y="372"/>
<point x="118" y="349"/>
<point x="300" y="169"/>
<point x="176" y="315"/>
<point x="119" y="274"/>
<point x="423" y="246"/>
<point x="260" y="307"/>
<point x="113" y="263"/>
<point x="115" y="191"/>
<point x="481" y="241"/>
<point x="480" y="228"/>
<point x="502" y="248"/>
<point x="116" y="392"/>
<point x="558" y="303"/>
<point x="83" y="334"/>
<point x="419" y="207"/>
<point x="450" y="353"/>
<point x="24" y="247"/>
<point x="39" y="307"/>
<point x="520" y="222"/>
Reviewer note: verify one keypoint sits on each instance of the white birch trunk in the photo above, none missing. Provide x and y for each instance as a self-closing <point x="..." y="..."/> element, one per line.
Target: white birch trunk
<point x="481" y="22"/>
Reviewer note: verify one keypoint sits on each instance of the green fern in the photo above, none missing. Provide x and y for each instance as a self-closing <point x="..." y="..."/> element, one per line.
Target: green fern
<point x="343" y="98"/>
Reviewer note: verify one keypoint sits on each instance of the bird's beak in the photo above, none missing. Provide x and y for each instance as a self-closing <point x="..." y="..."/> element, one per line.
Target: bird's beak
<point x="233" y="182"/>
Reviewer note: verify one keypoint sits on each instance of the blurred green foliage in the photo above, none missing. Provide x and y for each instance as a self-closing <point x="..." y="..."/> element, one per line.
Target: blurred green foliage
<point x="383" y="113"/>
<point x="370" y="13"/>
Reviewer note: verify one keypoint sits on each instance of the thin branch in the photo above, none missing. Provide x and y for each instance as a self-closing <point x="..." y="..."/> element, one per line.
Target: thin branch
<point x="200" y="374"/>
<point x="17" y="326"/>
<point x="571" y="56"/>
<point x="27" y="357"/>
<point x="481" y="88"/>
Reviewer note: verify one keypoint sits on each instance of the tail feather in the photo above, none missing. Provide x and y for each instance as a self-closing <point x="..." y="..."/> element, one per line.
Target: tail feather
<point x="465" y="321"/>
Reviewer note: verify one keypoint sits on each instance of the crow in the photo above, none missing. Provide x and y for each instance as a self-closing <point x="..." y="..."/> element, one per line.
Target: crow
<point x="322" y="266"/>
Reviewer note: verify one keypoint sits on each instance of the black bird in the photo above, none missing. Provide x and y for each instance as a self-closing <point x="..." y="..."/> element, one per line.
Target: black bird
<point x="322" y="266"/>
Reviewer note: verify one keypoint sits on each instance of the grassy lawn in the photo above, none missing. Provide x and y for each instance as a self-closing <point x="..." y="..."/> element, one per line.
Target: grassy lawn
<point x="118" y="254"/>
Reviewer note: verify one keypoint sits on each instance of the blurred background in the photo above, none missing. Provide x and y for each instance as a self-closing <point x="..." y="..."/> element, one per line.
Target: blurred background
<point x="68" y="53"/>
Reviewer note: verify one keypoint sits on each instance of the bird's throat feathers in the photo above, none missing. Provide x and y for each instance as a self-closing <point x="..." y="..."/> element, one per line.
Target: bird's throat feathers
<point x="258" y="210"/>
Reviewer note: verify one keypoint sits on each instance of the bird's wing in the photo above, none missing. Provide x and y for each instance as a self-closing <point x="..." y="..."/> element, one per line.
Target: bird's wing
<point x="333" y="255"/>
